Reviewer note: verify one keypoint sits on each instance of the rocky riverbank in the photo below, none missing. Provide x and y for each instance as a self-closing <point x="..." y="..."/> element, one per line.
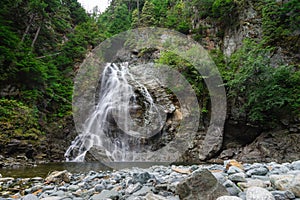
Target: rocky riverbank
<point x="233" y="180"/>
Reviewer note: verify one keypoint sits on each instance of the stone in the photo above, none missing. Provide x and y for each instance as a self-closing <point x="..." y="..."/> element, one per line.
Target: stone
<point x="220" y="177"/>
<point x="295" y="165"/>
<point x="235" y="163"/>
<point x="281" y="182"/>
<point x="133" y="188"/>
<point x="295" y="185"/>
<point x="6" y="179"/>
<point x="106" y="194"/>
<point x="73" y="188"/>
<point x="151" y="196"/>
<point x="48" y="187"/>
<point x="252" y="183"/>
<point x="143" y="191"/>
<point x="261" y="171"/>
<point x="37" y="179"/>
<point x="96" y="153"/>
<point x="229" y="198"/>
<point x="255" y="193"/>
<point x="58" y="177"/>
<point x="238" y="177"/>
<point x="30" y="197"/>
<point x="201" y="184"/>
<point x="282" y="195"/>
<point x="51" y="198"/>
<point x="231" y="188"/>
<point x="234" y="169"/>
<point x="99" y="187"/>
<point x="141" y="177"/>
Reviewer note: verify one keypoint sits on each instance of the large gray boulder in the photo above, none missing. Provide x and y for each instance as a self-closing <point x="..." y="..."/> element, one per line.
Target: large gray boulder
<point x="202" y="185"/>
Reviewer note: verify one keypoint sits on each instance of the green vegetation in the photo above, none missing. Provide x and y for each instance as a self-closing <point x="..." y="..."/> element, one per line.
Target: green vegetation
<point x="268" y="92"/>
<point x="42" y="44"/>
<point x="18" y="121"/>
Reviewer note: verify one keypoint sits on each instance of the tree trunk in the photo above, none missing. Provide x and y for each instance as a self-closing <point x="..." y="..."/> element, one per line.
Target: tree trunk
<point x="28" y="27"/>
<point x="36" y="35"/>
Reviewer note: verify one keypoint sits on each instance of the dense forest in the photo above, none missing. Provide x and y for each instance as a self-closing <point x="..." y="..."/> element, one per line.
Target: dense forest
<point x="43" y="43"/>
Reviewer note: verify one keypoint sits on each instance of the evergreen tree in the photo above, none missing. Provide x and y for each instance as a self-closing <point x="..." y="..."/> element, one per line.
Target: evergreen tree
<point x="148" y="15"/>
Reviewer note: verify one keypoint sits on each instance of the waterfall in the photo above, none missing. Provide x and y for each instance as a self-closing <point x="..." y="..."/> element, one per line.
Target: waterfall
<point x="125" y="114"/>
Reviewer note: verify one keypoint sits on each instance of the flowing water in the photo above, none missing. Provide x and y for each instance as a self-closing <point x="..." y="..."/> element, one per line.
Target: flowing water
<point x="124" y="115"/>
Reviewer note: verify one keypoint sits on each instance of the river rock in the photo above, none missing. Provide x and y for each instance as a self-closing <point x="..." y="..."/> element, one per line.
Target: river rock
<point x="201" y="185"/>
<point x="258" y="171"/>
<point x="58" y="177"/>
<point x="231" y="188"/>
<point x="238" y="177"/>
<point x="30" y="197"/>
<point x="73" y="188"/>
<point x="252" y="183"/>
<point x="143" y="191"/>
<point x="229" y="198"/>
<point x="141" y="177"/>
<point x="234" y="170"/>
<point x="295" y="165"/>
<point x="295" y="185"/>
<point x="257" y="193"/>
<point x="106" y="194"/>
<point x="133" y="188"/>
<point x="151" y="196"/>
<point x="282" y="195"/>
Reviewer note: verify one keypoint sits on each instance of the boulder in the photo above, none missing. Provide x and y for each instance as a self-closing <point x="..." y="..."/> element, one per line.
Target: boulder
<point x="255" y="193"/>
<point x="58" y="177"/>
<point x="201" y="185"/>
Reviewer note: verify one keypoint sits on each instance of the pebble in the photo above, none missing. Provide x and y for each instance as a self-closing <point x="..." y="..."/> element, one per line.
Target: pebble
<point x="265" y="181"/>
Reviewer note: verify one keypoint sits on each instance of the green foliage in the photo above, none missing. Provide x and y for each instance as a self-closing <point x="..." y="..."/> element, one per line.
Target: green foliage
<point x="116" y="19"/>
<point x="189" y="72"/>
<point x="281" y="23"/>
<point x="267" y="91"/>
<point x="18" y="121"/>
<point x="148" y="15"/>
<point x="225" y="11"/>
<point x="177" y="18"/>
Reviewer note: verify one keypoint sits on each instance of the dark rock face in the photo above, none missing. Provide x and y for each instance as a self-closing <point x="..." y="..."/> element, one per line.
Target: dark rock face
<point x="59" y="136"/>
<point x="202" y="185"/>
<point x="278" y="146"/>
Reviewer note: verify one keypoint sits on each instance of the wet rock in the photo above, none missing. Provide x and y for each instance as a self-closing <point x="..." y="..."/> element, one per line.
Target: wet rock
<point x="106" y="194"/>
<point x="30" y="197"/>
<point x="143" y="191"/>
<point x="295" y="165"/>
<point x="73" y="188"/>
<point x="133" y="188"/>
<point x="228" y="198"/>
<point x="283" y="195"/>
<point x="255" y="193"/>
<point x="252" y="183"/>
<point x="151" y="196"/>
<point x="201" y="185"/>
<point x="96" y="154"/>
<point x="58" y="177"/>
<point x="238" y="177"/>
<point x="141" y="177"/>
<point x="234" y="170"/>
<point x="258" y="171"/>
<point x="231" y="188"/>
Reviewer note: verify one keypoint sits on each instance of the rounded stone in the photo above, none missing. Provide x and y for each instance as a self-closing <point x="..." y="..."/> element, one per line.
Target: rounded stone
<point x="255" y="193"/>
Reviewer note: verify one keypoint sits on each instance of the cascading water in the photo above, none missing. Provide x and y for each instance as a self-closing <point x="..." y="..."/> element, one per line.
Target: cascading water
<point x="124" y="116"/>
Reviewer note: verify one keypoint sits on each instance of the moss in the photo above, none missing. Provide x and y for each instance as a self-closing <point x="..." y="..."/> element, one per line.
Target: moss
<point x="18" y="121"/>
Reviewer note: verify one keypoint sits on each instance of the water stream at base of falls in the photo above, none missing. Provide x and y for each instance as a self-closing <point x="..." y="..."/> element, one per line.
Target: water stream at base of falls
<point x="124" y="115"/>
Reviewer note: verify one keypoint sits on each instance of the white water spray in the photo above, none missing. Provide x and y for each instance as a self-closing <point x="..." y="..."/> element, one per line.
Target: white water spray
<point x="110" y="127"/>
